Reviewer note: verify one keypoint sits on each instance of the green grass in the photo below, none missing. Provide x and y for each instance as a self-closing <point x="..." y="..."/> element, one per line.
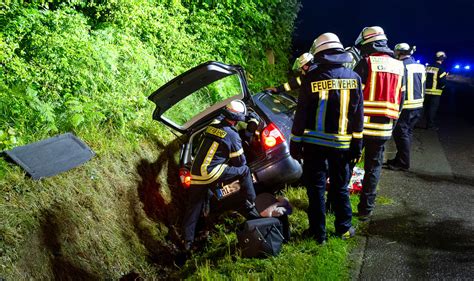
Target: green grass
<point x="300" y="259"/>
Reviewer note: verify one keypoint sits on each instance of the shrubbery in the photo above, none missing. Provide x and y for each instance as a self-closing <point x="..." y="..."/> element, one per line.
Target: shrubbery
<point x="78" y="65"/>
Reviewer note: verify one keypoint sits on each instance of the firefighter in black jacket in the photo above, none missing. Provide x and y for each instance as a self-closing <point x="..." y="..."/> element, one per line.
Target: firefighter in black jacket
<point x="412" y="107"/>
<point x="301" y="66"/>
<point x="435" y="82"/>
<point x="220" y="158"/>
<point x="328" y="127"/>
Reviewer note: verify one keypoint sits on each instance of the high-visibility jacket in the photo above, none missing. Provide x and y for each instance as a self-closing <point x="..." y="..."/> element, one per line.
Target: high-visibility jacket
<point x="435" y="79"/>
<point x="415" y="84"/>
<point x="382" y="77"/>
<point x="221" y="147"/>
<point x="330" y="108"/>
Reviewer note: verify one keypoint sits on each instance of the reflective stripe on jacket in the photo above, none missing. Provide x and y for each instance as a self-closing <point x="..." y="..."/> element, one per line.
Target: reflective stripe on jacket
<point x="221" y="146"/>
<point x="415" y="79"/>
<point x="330" y="108"/>
<point x="384" y="86"/>
<point x="435" y="79"/>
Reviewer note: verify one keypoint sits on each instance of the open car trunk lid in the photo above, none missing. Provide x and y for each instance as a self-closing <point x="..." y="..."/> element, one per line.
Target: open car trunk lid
<point x="192" y="98"/>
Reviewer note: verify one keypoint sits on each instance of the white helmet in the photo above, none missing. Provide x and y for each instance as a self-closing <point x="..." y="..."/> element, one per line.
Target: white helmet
<point x="237" y="106"/>
<point x="235" y="110"/>
<point x="440" y="55"/>
<point x="326" y="41"/>
<point x="370" y="34"/>
<point x="404" y="49"/>
<point x="302" y="60"/>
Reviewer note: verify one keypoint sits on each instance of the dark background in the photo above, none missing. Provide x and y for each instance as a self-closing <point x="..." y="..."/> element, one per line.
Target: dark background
<point x="429" y="25"/>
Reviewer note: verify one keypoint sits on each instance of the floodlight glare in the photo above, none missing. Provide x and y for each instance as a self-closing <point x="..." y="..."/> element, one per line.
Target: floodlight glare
<point x="457" y="66"/>
<point x="467" y="67"/>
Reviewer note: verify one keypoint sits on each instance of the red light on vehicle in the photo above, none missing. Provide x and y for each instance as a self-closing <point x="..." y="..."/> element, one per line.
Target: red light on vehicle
<point x="185" y="177"/>
<point x="271" y="136"/>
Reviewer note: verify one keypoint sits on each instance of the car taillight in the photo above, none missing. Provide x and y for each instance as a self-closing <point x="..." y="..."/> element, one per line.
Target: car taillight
<point x="185" y="177"/>
<point x="271" y="136"/>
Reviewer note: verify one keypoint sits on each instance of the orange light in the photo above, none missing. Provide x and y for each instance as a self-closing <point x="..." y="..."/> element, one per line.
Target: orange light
<point x="185" y="177"/>
<point x="271" y="136"/>
<point x="270" y="142"/>
<point x="187" y="181"/>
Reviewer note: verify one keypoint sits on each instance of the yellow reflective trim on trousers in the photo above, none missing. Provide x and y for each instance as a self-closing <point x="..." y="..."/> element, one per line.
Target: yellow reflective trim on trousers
<point x="381" y="105"/>
<point x="298" y="80"/>
<point x="209" y="155"/>
<point x="377" y="133"/>
<point x="212" y="176"/>
<point x="372" y="85"/>
<point x="287" y="87"/>
<point x="237" y="153"/>
<point x="343" y="110"/>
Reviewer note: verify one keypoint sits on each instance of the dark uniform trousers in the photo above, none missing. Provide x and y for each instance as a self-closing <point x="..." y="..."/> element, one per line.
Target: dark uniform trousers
<point x="430" y="106"/>
<point x="373" y="160"/>
<point x="314" y="178"/>
<point x="197" y="196"/>
<point x="403" y="135"/>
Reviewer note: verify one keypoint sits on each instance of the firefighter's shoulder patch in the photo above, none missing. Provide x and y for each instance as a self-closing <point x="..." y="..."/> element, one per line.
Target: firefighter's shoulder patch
<point x="216" y="132"/>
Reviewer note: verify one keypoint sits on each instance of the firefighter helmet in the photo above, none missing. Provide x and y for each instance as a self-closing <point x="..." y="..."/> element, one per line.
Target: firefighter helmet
<point x="302" y="60"/>
<point x="235" y="110"/>
<point x="404" y="49"/>
<point x="440" y="55"/>
<point x="370" y="34"/>
<point x="326" y="41"/>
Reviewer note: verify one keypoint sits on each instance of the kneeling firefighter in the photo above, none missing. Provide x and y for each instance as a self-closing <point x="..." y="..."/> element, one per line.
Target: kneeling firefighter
<point x="220" y="158"/>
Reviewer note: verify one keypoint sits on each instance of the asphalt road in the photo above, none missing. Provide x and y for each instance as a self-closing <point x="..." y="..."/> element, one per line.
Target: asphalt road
<point x="427" y="232"/>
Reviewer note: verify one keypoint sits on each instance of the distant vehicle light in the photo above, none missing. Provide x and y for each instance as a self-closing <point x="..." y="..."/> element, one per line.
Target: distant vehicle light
<point x="457" y="66"/>
<point x="467" y="67"/>
<point x="418" y="61"/>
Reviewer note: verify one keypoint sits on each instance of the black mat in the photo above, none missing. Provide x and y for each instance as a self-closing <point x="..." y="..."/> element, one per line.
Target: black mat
<point x="51" y="156"/>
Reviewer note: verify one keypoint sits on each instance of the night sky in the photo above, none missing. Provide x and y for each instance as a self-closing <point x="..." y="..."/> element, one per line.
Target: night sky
<point x="429" y="25"/>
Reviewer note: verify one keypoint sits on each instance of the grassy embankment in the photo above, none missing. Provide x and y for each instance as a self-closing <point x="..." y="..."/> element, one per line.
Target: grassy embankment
<point x="87" y="68"/>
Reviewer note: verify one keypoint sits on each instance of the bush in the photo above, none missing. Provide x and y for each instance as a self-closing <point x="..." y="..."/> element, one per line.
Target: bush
<point x="73" y="65"/>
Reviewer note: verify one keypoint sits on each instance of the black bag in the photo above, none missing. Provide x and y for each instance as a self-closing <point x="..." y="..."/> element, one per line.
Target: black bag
<point x="261" y="237"/>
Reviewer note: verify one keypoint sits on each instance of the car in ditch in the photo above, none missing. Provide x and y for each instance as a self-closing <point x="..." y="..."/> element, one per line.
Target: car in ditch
<point x="190" y="101"/>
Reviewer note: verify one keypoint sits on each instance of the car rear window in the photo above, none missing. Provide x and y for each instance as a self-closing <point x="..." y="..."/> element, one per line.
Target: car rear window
<point x="278" y="104"/>
<point x="197" y="104"/>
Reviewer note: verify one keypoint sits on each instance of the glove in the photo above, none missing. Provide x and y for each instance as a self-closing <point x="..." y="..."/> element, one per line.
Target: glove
<point x="296" y="150"/>
<point x="355" y="152"/>
<point x="251" y="116"/>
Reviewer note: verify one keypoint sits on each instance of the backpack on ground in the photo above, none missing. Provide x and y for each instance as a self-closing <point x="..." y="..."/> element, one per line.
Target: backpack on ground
<point x="261" y="237"/>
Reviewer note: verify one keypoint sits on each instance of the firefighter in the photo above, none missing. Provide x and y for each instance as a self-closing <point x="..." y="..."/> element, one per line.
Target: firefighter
<point x="328" y="127"/>
<point x="412" y="107"/>
<point x="435" y="82"/>
<point x="382" y="78"/>
<point x="301" y="66"/>
<point x="219" y="159"/>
